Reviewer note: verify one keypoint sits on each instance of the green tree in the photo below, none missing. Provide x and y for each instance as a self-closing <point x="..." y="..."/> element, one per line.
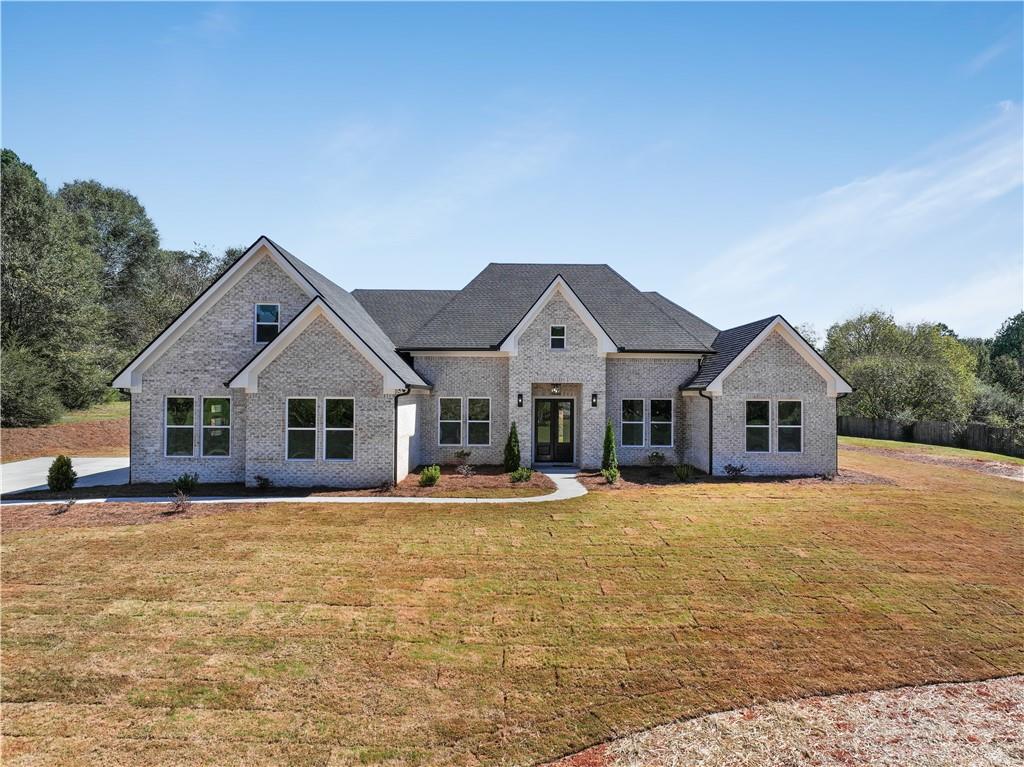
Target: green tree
<point x="609" y="460"/>
<point x="512" y="449"/>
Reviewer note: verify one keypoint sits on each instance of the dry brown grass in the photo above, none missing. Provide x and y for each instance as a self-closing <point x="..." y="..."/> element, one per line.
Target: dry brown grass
<point x="297" y="634"/>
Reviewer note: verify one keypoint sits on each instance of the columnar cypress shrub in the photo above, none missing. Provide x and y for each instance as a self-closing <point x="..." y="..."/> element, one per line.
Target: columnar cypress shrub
<point x="609" y="460"/>
<point x="512" y="449"/>
<point x="61" y="476"/>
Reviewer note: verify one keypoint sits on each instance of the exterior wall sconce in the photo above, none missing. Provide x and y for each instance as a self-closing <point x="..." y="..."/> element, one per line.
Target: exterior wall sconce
<point x="593" y="399"/>
<point x="556" y="388"/>
<point x="519" y="400"/>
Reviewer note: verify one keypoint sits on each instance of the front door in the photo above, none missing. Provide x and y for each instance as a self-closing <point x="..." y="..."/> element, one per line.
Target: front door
<point x="552" y="431"/>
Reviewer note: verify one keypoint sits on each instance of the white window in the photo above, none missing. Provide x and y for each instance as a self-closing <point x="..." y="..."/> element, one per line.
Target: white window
<point x="758" y="434"/>
<point x="661" y="423"/>
<point x="790" y="426"/>
<point x="339" y="429"/>
<point x="179" y="427"/>
<point x="449" y="421"/>
<point x="300" y="428"/>
<point x="632" y="422"/>
<point x="216" y="427"/>
<point x="558" y="336"/>
<point x="267" y="322"/>
<point x="478" y="426"/>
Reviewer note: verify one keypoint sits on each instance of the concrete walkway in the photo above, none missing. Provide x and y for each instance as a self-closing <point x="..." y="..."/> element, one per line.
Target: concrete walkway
<point x="19" y="476"/>
<point x="566" y="486"/>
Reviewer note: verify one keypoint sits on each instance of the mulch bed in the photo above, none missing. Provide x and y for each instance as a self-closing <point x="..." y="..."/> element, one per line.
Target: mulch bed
<point x="99" y="438"/>
<point x="991" y="468"/>
<point x="648" y="477"/>
<point x="485" y="478"/>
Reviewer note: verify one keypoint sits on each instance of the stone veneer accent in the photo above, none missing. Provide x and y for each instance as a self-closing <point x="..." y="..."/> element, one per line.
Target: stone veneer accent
<point x="207" y="355"/>
<point x="320" y="363"/>
<point x="775" y="371"/>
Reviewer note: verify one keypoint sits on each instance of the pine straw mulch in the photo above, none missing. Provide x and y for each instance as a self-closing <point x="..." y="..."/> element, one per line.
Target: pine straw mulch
<point x="646" y="477"/>
<point x="943" y="725"/>
<point x="92" y="438"/>
<point x="991" y="468"/>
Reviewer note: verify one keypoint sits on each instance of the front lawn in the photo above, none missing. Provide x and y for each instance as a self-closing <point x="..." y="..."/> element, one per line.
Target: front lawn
<point x="303" y="634"/>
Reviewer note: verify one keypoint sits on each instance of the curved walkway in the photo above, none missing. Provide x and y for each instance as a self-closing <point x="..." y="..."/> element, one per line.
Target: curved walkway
<point x="566" y="486"/>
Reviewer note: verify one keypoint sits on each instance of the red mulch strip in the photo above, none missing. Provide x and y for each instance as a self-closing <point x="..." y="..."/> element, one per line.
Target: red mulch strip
<point x="647" y="477"/>
<point x="102" y="437"/>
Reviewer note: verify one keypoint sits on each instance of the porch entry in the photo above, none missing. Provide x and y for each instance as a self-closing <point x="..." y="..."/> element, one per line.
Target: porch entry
<point x="553" y="431"/>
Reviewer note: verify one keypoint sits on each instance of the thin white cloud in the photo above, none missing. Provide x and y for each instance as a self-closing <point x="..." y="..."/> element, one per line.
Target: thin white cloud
<point x="987" y="56"/>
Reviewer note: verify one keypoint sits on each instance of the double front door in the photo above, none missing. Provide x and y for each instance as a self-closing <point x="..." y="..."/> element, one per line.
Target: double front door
<point x="553" y="431"/>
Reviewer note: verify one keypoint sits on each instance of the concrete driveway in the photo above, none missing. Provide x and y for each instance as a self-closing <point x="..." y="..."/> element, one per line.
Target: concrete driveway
<point x="31" y="474"/>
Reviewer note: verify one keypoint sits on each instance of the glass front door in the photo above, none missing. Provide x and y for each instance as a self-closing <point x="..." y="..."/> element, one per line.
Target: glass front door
<point x="553" y="431"/>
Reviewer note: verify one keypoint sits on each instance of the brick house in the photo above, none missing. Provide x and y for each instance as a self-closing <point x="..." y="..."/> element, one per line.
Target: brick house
<point x="274" y="371"/>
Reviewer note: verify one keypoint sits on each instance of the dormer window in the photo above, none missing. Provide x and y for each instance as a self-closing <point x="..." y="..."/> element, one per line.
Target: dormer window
<point x="267" y="323"/>
<point x="558" y="336"/>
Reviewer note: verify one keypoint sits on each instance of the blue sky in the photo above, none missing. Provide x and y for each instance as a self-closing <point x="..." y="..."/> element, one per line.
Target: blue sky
<point x="810" y="160"/>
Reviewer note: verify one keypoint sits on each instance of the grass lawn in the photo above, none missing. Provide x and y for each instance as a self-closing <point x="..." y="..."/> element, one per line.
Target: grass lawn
<point x="939" y="450"/>
<point x="101" y="412"/>
<point x="297" y="634"/>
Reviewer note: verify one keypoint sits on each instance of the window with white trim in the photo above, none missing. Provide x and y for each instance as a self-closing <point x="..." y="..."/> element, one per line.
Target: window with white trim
<point x="216" y="427"/>
<point x="758" y="436"/>
<point x="267" y="322"/>
<point x="478" y="423"/>
<point x="558" y="336"/>
<point x="179" y="427"/>
<point x="661" y="423"/>
<point x="301" y="429"/>
<point x="449" y="421"/>
<point x="632" y="422"/>
<point x="790" y="426"/>
<point x="339" y="428"/>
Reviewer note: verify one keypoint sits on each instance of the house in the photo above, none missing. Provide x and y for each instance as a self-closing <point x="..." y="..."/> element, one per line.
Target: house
<point x="274" y="371"/>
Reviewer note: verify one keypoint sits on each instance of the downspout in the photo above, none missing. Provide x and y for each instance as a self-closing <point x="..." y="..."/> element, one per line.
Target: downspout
<point x="838" y="397"/>
<point x="711" y="433"/>
<point x="395" y="459"/>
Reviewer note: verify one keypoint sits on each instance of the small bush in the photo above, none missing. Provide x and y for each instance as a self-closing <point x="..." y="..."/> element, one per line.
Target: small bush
<point x="735" y="471"/>
<point x="63" y="508"/>
<point x="512" y="449"/>
<point x="182" y="502"/>
<point x="61" y="476"/>
<point x="611" y="476"/>
<point x="522" y="474"/>
<point x="263" y="483"/>
<point x="185" y="484"/>
<point x="609" y="460"/>
<point x="656" y="458"/>
<point x="464" y="468"/>
<point x="430" y="475"/>
<point x="684" y="472"/>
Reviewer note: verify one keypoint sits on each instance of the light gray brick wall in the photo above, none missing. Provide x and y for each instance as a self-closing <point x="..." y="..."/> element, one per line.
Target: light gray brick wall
<point x="775" y="371"/>
<point x="463" y="377"/>
<point x="579" y="363"/>
<point x="197" y="364"/>
<point x="646" y="379"/>
<point x="320" y="363"/>
<point x="695" y="431"/>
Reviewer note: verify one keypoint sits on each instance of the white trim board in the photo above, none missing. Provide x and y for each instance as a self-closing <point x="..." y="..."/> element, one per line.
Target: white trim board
<point x="248" y="377"/>
<point x="131" y="376"/>
<point x="835" y="383"/>
<point x="558" y="285"/>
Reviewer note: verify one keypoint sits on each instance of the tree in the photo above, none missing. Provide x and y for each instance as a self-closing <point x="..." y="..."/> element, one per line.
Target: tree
<point x="809" y="333"/>
<point x="1009" y="339"/>
<point x="512" y="457"/>
<point x="609" y="460"/>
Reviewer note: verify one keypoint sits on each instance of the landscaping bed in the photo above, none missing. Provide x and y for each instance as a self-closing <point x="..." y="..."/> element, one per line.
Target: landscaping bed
<point x="650" y="477"/>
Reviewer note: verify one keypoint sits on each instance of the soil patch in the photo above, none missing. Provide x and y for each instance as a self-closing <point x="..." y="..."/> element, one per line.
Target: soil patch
<point x="100" y="438"/>
<point x="982" y="466"/>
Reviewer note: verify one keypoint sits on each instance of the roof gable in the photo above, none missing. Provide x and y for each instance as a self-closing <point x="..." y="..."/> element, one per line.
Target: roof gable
<point x="560" y="287"/>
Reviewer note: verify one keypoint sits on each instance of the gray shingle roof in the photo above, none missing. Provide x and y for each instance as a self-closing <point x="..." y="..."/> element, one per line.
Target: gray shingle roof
<point x="728" y="345"/>
<point x="705" y="332"/>
<point x="402" y="312"/>
<point x="484" y="312"/>
<point x="356" y="317"/>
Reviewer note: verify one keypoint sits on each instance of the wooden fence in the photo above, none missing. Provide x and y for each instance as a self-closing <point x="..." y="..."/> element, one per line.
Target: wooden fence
<point x="973" y="436"/>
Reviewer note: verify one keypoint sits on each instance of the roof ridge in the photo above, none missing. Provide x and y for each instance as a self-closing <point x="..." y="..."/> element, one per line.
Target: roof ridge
<point x="673" y="320"/>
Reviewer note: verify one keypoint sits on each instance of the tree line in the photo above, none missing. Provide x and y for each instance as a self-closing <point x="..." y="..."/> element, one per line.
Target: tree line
<point x="84" y="286"/>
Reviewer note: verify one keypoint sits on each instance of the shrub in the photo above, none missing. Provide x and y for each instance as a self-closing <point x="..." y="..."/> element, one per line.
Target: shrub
<point x="735" y="471"/>
<point x="181" y="503"/>
<point x="512" y="449"/>
<point x="28" y="396"/>
<point x="684" y="472"/>
<point x="608" y="459"/>
<point x="186" y="483"/>
<point x="263" y="483"/>
<point x="611" y="476"/>
<point x="61" y="476"/>
<point x="63" y="508"/>
<point x="656" y="458"/>
<point x="522" y="474"/>
<point x="430" y="475"/>
<point x="464" y="469"/>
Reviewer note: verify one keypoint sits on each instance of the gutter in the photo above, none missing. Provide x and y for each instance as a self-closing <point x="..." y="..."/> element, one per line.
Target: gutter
<point x="711" y="434"/>
<point x="395" y="459"/>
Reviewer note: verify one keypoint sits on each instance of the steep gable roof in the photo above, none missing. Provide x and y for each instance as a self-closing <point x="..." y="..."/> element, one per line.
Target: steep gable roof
<point x="703" y="331"/>
<point x="400" y="313"/>
<point x="484" y="312"/>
